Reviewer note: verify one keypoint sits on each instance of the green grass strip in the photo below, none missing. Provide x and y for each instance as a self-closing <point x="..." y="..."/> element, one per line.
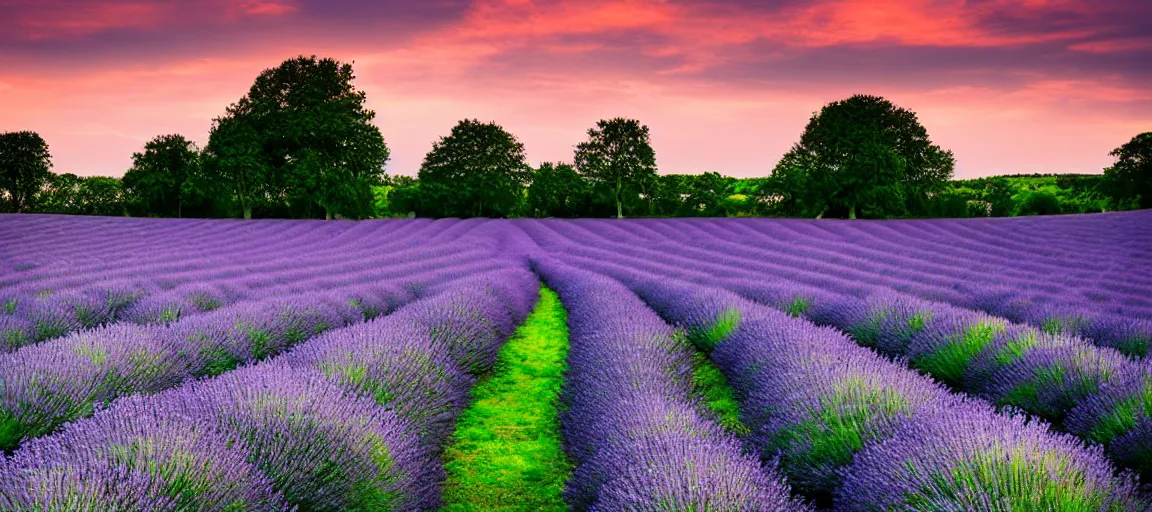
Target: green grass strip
<point x="708" y="382"/>
<point x="506" y="452"/>
<point x="713" y="389"/>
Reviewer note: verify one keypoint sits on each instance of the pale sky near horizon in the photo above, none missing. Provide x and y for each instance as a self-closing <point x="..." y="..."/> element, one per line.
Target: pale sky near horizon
<point x="725" y="85"/>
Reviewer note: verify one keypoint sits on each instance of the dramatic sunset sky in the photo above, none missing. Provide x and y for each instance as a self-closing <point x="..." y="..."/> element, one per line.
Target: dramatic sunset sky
<point x="726" y="85"/>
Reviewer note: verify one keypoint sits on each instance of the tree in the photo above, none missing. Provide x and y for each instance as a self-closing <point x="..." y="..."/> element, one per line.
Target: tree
<point x="156" y="183"/>
<point x="706" y="194"/>
<point x="234" y="157"/>
<point x="58" y="195"/>
<point x="864" y="153"/>
<point x="557" y="190"/>
<point x="1038" y="202"/>
<point x="794" y="190"/>
<point x="478" y="169"/>
<point x="618" y="155"/>
<point x="100" y="195"/>
<point x="1130" y="178"/>
<point x="301" y="138"/>
<point x="668" y="195"/>
<point x="25" y="165"/>
<point x="396" y="197"/>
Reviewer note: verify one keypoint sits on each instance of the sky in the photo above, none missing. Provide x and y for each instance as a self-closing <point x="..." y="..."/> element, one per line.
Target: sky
<point x="725" y="85"/>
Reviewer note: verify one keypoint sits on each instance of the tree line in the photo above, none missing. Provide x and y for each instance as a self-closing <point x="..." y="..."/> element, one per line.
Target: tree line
<point x="301" y="144"/>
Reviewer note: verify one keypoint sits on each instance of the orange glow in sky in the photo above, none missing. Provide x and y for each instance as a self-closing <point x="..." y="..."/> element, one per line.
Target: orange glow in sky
<point x="725" y="85"/>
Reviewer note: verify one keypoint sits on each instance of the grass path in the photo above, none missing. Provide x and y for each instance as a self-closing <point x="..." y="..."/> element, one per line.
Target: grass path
<point x="713" y="389"/>
<point x="708" y="382"/>
<point x="506" y="453"/>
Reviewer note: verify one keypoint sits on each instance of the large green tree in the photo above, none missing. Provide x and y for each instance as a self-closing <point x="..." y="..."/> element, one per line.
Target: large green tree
<point x="157" y="183"/>
<point x="301" y="139"/>
<point x="100" y="195"/>
<point x="70" y="194"/>
<point x="479" y="169"/>
<point x="864" y="154"/>
<point x="557" y="190"/>
<point x="618" y="156"/>
<point x="1130" y="178"/>
<point x="234" y="160"/>
<point x="25" y="165"/>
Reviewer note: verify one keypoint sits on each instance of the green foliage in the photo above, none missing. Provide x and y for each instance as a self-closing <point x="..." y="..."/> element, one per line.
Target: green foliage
<point x="837" y="428"/>
<point x="11" y="431"/>
<point x="1125" y="416"/>
<point x="688" y="195"/>
<point x="478" y="170"/>
<point x="1040" y="202"/>
<point x="397" y="197"/>
<point x="300" y="141"/>
<point x="234" y="161"/>
<point x="155" y="185"/>
<point x="557" y="190"/>
<point x="1130" y="178"/>
<point x="712" y="387"/>
<point x="706" y="339"/>
<point x="618" y="158"/>
<point x="1033" y="194"/>
<point x="507" y="453"/>
<point x="75" y="195"/>
<point x="25" y="165"/>
<point x="862" y="153"/>
<point x="798" y="306"/>
<point x="1022" y="480"/>
<point x="949" y="363"/>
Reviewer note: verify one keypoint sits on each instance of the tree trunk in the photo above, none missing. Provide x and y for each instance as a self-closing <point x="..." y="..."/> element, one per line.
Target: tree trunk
<point x="852" y="211"/>
<point x="327" y="214"/>
<point x="619" y="209"/>
<point x="180" y="208"/>
<point x="247" y="212"/>
<point x="821" y="214"/>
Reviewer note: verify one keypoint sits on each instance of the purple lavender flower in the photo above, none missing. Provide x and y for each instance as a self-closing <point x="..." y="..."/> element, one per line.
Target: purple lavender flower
<point x="144" y="455"/>
<point x="964" y="458"/>
<point x="630" y="423"/>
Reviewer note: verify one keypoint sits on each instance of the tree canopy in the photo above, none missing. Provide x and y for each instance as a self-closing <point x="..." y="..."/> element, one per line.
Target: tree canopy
<point x="300" y="139"/>
<point x="25" y="166"/>
<point x="156" y="185"/>
<point x="79" y="195"/>
<point x="557" y="190"/>
<point x="618" y="156"/>
<point x="478" y="170"/>
<point x="862" y="154"/>
<point x="1130" y="178"/>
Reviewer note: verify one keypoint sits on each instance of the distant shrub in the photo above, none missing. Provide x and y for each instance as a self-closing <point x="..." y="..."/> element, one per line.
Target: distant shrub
<point x="1039" y="202"/>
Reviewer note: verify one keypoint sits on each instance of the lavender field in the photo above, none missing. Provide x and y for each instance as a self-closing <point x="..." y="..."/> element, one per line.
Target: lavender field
<point x="905" y="365"/>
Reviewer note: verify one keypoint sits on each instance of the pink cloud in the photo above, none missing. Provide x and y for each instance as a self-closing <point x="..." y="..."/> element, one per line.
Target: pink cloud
<point x="701" y="76"/>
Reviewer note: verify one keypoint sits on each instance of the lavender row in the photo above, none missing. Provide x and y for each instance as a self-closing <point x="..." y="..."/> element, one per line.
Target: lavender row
<point x="1066" y="299"/>
<point x="1109" y="317"/>
<point x="58" y="381"/>
<point x="857" y="430"/>
<point x="1093" y="392"/>
<point x="1096" y="393"/>
<point x="57" y="247"/>
<point x="51" y="383"/>
<point x="637" y="439"/>
<point x="32" y="319"/>
<point x="266" y="250"/>
<point x="342" y="422"/>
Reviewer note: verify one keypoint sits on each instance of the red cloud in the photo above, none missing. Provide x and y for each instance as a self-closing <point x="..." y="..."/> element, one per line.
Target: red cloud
<point x="267" y="8"/>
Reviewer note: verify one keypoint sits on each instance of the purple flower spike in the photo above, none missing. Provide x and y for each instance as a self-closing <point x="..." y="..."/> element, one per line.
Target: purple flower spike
<point x="141" y="456"/>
